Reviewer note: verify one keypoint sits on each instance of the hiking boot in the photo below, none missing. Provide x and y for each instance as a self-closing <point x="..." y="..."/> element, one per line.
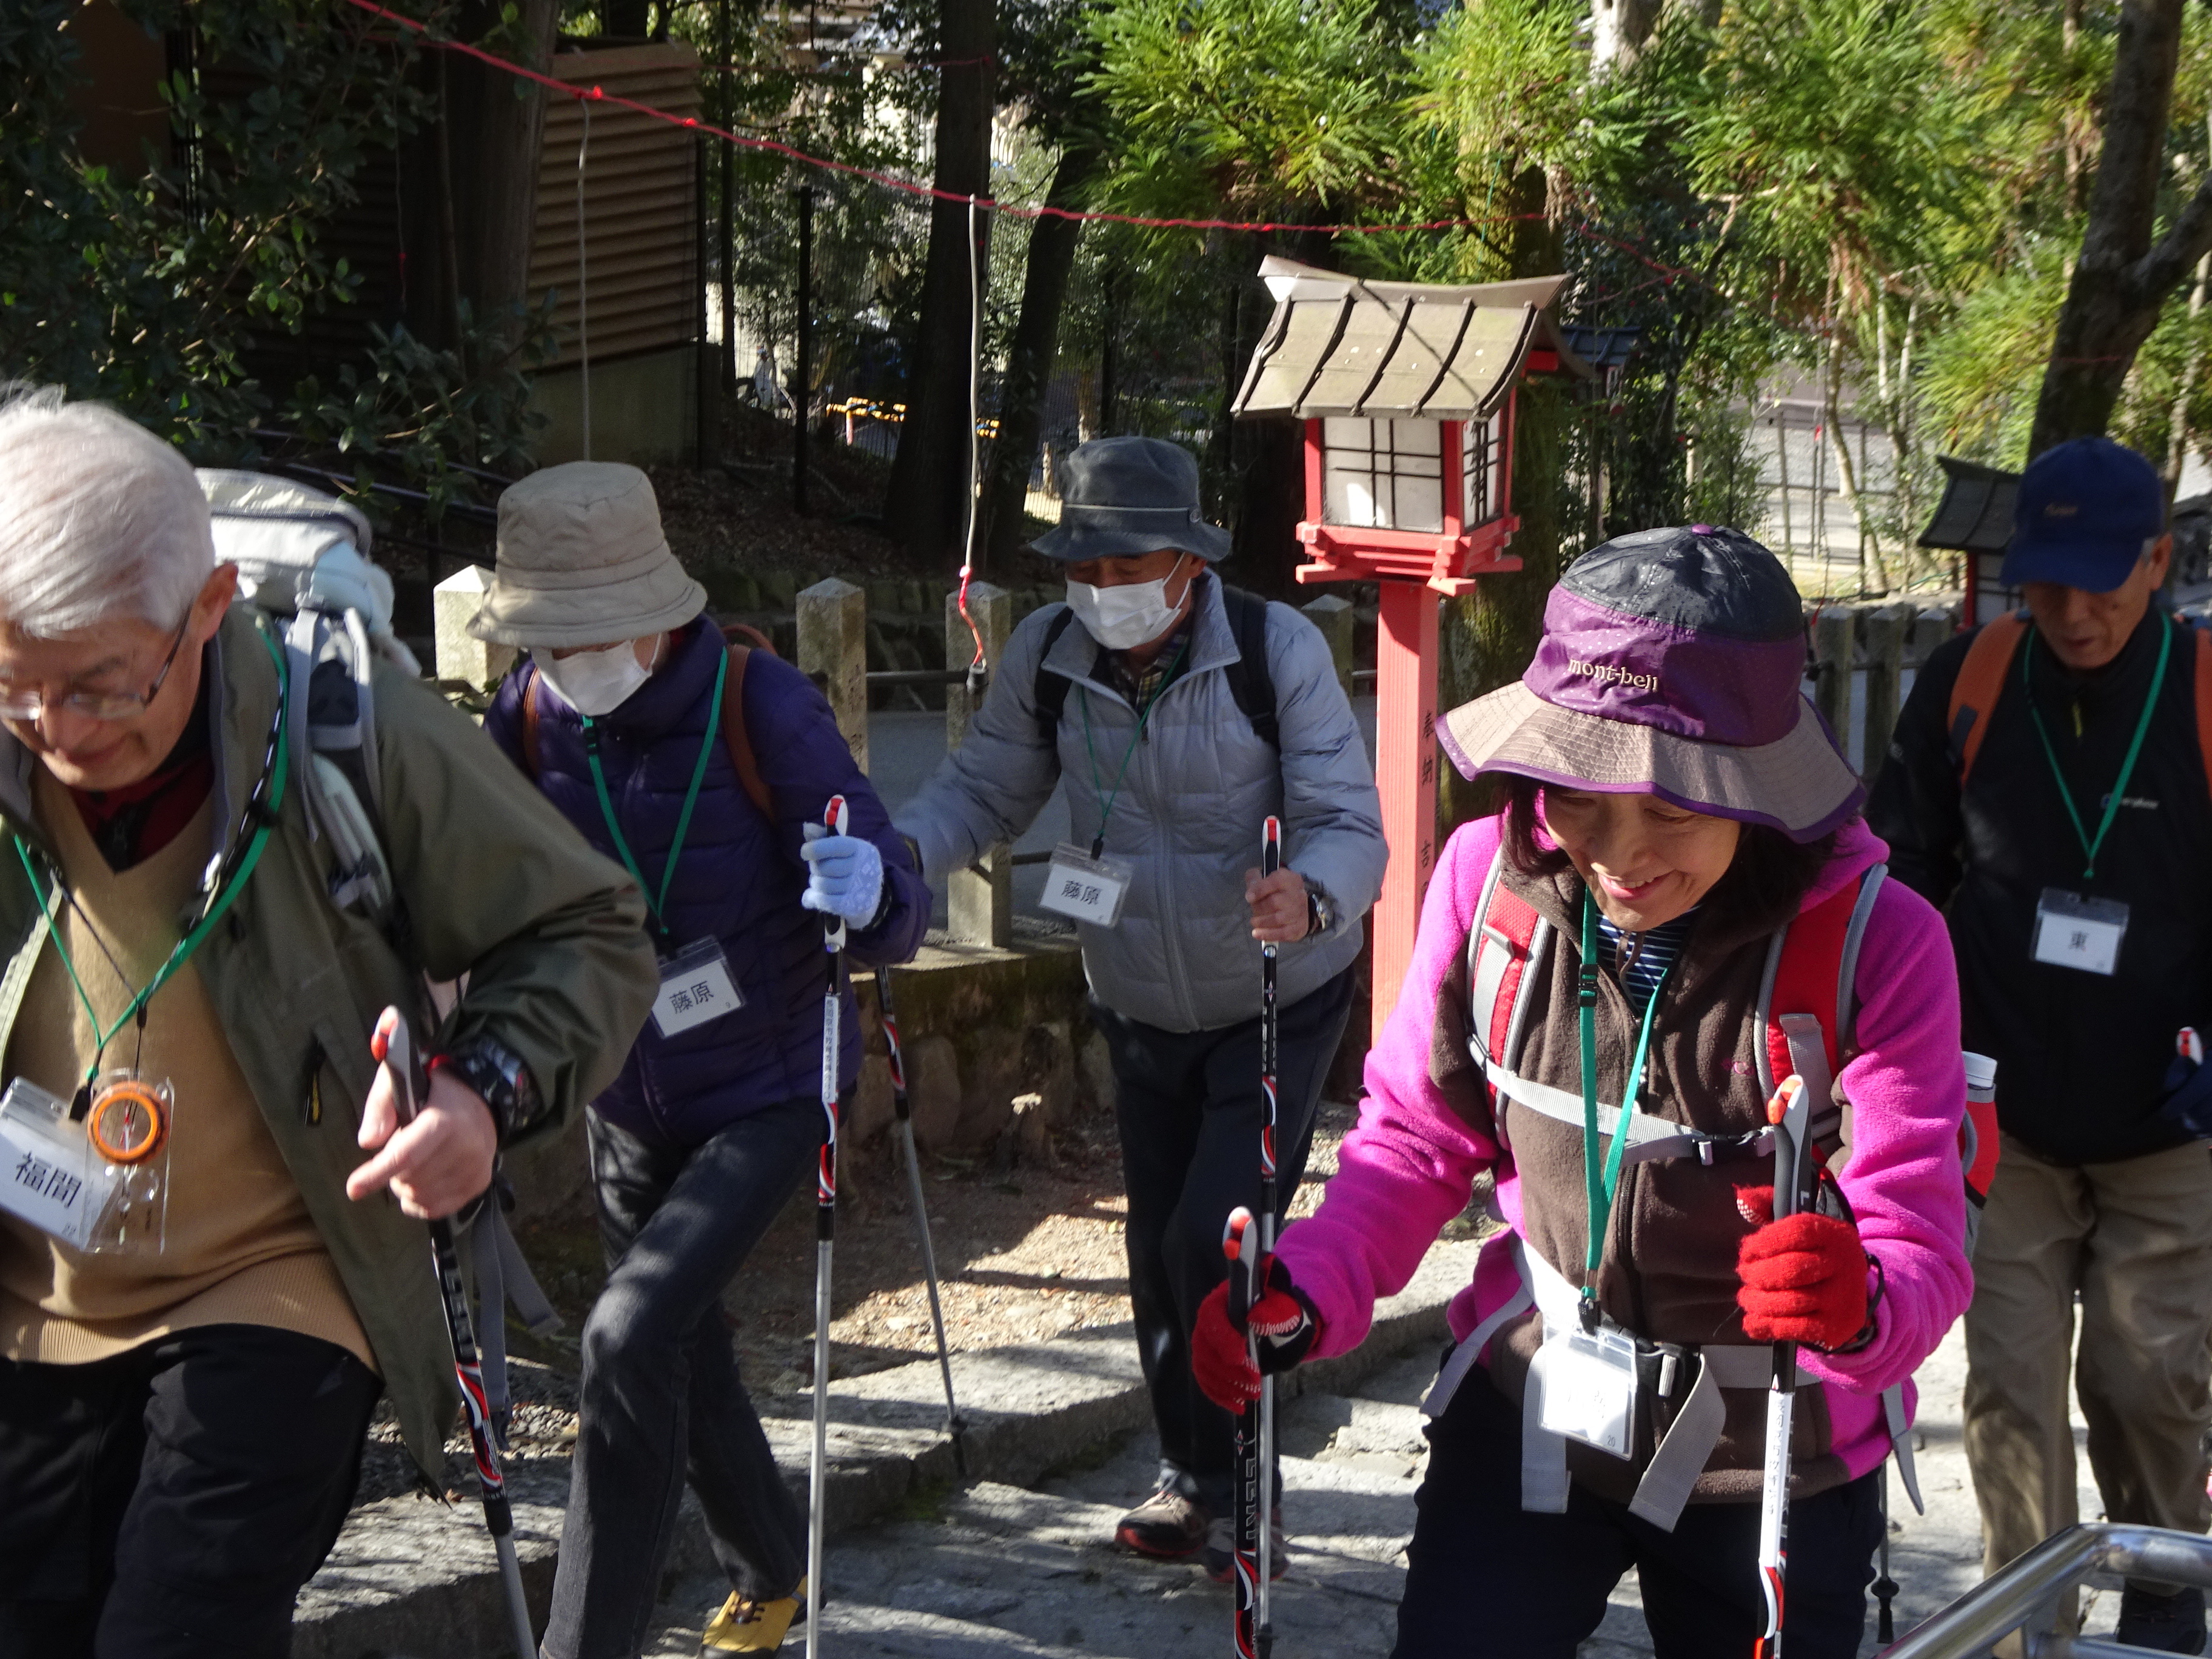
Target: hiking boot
<point x="2164" y="1623"/>
<point x="1167" y="1526"/>
<point x="1221" y="1548"/>
<point x="745" y="1626"/>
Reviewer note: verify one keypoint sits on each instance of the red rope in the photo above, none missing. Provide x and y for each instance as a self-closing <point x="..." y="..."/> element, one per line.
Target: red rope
<point x="891" y="181"/>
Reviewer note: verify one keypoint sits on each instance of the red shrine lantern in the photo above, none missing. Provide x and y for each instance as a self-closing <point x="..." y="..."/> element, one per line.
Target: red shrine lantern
<point x="1407" y="393"/>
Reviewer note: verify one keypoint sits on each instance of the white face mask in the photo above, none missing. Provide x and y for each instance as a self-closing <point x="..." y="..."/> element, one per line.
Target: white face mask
<point x="1129" y="615"/>
<point x="596" y="682"/>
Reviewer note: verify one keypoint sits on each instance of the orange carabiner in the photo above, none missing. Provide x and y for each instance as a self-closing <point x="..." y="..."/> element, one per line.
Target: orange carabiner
<point x="129" y="1121"/>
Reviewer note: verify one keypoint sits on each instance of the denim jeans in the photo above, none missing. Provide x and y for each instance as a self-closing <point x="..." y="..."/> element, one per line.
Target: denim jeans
<point x="661" y="1399"/>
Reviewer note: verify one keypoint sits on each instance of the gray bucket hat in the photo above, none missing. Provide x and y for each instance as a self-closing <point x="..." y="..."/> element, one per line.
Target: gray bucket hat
<point x="1123" y="496"/>
<point x="582" y="562"/>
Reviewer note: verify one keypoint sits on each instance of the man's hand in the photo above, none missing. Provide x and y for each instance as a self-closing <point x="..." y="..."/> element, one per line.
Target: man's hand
<point x="1278" y="906"/>
<point x="438" y="1163"/>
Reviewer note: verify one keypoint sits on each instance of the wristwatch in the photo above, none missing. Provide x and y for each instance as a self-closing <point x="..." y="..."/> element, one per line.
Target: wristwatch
<point x="1320" y="913"/>
<point x="500" y="1077"/>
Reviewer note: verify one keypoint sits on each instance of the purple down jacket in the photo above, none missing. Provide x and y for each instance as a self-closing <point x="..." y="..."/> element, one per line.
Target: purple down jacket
<point x="739" y="878"/>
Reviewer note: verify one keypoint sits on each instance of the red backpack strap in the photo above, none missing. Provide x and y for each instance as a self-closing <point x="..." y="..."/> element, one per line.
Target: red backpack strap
<point x="734" y="734"/>
<point x="1500" y="945"/>
<point x="1810" y="998"/>
<point x="532" y="760"/>
<point x="1981" y="683"/>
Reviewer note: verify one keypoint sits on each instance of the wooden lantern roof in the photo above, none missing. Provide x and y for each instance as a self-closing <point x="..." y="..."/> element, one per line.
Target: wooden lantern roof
<point x="1340" y="346"/>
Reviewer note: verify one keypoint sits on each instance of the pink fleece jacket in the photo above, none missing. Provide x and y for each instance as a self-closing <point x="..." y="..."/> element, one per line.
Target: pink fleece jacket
<point x="1408" y="1168"/>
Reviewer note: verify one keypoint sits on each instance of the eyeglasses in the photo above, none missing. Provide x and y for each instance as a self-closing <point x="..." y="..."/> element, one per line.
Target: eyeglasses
<point x="20" y="705"/>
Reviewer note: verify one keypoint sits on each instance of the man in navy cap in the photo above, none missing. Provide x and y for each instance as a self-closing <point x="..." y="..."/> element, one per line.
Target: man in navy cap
<point x="2047" y="785"/>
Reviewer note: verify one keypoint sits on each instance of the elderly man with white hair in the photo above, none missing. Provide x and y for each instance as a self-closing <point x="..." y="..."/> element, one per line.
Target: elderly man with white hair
<point x="181" y="1422"/>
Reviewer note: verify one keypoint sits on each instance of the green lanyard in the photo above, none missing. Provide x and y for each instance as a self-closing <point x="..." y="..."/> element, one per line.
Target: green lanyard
<point x="1097" y="785"/>
<point x="263" y="807"/>
<point x="2089" y="847"/>
<point x="660" y="902"/>
<point x="1600" y="1185"/>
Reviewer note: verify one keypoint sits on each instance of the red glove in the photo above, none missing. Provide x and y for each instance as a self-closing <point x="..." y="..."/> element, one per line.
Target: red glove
<point x="1219" y="1362"/>
<point x="1804" y="1277"/>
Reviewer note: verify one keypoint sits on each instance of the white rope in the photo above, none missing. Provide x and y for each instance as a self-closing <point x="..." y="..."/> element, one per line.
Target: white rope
<point x="583" y="286"/>
<point x="975" y="391"/>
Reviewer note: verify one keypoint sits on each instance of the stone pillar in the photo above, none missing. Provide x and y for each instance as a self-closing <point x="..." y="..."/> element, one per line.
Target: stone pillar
<point x="461" y="655"/>
<point x="1332" y="614"/>
<point x="1885" y="640"/>
<point x="979" y="900"/>
<point x="833" y="651"/>
<point x="1832" y="669"/>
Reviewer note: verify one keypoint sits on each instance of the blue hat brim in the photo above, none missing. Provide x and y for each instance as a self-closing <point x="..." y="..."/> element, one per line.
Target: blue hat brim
<point x="2092" y="567"/>
<point x="1103" y="537"/>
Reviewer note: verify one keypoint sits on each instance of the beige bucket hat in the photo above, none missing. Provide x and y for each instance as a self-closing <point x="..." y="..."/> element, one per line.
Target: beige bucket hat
<point x="582" y="561"/>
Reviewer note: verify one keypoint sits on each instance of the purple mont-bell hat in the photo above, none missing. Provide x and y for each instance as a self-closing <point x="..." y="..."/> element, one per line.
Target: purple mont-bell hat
<point x="1672" y="662"/>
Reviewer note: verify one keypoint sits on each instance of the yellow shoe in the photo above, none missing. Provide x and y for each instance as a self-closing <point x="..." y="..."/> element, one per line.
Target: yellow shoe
<point x="745" y="1626"/>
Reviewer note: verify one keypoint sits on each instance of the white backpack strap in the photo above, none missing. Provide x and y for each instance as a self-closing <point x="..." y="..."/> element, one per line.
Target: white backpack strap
<point x="1487" y="959"/>
<point x="303" y="644"/>
<point x="364" y="708"/>
<point x="1847" y="976"/>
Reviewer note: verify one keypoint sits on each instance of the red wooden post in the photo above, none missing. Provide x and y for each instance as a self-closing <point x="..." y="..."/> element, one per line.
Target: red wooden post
<point x="1406" y="776"/>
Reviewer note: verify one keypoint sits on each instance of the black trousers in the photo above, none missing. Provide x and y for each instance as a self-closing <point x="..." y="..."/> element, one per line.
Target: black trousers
<point x="1484" y="1576"/>
<point x="168" y="1503"/>
<point x="661" y="1398"/>
<point x="1188" y="1107"/>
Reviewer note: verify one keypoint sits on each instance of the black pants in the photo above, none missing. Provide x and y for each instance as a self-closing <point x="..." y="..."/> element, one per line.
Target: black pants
<point x="168" y="1503"/>
<point x="661" y="1399"/>
<point x="1484" y="1576"/>
<point x="1188" y="1106"/>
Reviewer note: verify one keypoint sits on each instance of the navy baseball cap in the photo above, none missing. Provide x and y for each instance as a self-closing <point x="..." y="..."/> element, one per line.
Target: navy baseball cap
<point x="2087" y="510"/>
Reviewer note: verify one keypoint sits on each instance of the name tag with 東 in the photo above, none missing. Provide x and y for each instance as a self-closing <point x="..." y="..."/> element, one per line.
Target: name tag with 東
<point x="2072" y="931"/>
<point x="43" y="1165"/>
<point x="1086" y="888"/>
<point x="696" y="986"/>
<point x="1588" y="1384"/>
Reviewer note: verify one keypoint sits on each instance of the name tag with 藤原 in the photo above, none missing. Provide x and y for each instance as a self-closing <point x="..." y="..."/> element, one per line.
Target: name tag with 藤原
<point x="696" y="986"/>
<point x="1086" y="888"/>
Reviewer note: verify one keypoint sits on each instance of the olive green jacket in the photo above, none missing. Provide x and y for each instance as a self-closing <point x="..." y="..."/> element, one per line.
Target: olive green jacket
<point x="495" y="885"/>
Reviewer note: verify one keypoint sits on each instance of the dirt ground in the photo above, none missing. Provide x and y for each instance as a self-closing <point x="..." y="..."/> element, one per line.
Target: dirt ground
<point x="1025" y="1253"/>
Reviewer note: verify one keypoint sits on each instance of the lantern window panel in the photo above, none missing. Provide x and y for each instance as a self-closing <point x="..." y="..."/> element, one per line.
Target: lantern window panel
<point x="1482" y="469"/>
<point x="1383" y="474"/>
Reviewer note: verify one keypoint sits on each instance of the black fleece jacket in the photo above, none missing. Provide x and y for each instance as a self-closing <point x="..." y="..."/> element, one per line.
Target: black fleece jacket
<point x="2080" y="1057"/>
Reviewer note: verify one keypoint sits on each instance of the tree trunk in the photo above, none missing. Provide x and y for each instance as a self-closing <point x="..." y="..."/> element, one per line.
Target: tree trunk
<point x="1029" y="362"/>
<point x="2122" y="280"/>
<point x="930" y="483"/>
<point x="498" y="132"/>
<point x="1487" y="638"/>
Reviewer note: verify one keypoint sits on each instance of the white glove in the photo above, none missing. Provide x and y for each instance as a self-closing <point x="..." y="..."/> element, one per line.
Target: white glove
<point x="846" y="879"/>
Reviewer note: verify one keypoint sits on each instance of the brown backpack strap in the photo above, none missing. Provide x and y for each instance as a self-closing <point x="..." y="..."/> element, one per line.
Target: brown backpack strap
<point x="739" y="740"/>
<point x="532" y="762"/>
<point x="1980" y="684"/>
<point x="2205" y="700"/>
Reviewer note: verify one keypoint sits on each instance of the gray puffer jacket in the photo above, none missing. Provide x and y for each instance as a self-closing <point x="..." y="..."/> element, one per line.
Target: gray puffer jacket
<point x="1189" y="815"/>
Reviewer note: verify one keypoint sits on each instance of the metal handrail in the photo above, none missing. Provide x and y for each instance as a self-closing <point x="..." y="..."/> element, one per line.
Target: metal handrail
<point x="2025" y="1594"/>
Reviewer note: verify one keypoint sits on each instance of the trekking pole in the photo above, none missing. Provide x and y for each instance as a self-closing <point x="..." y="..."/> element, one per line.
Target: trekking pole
<point x="1885" y="1587"/>
<point x="1270" y="861"/>
<point x="825" y="1236"/>
<point x="903" y="1109"/>
<point x="1240" y="1242"/>
<point x="393" y="1048"/>
<point x="1788" y="1112"/>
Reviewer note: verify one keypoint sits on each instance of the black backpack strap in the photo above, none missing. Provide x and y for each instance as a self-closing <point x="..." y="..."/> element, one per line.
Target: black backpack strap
<point x="1050" y="694"/>
<point x="1250" y="681"/>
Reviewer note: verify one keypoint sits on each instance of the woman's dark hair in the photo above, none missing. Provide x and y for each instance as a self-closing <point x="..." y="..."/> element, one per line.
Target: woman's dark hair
<point x="1765" y="883"/>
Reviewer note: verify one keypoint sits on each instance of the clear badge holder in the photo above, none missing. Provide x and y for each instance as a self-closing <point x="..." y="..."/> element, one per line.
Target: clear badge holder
<point x="1086" y="888"/>
<point x="101" y="1186"/>
<point x="697" y="986"/>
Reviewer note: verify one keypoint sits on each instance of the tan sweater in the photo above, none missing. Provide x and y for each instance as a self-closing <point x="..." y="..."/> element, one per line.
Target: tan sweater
<point x="240" y="1249"/>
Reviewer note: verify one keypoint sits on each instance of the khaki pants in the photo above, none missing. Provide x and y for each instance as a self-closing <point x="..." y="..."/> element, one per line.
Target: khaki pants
<point x="2135" y="1240"/>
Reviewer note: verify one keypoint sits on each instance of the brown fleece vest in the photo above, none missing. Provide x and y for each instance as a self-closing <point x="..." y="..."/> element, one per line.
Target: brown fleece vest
<point x="1670" y="1268"/>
